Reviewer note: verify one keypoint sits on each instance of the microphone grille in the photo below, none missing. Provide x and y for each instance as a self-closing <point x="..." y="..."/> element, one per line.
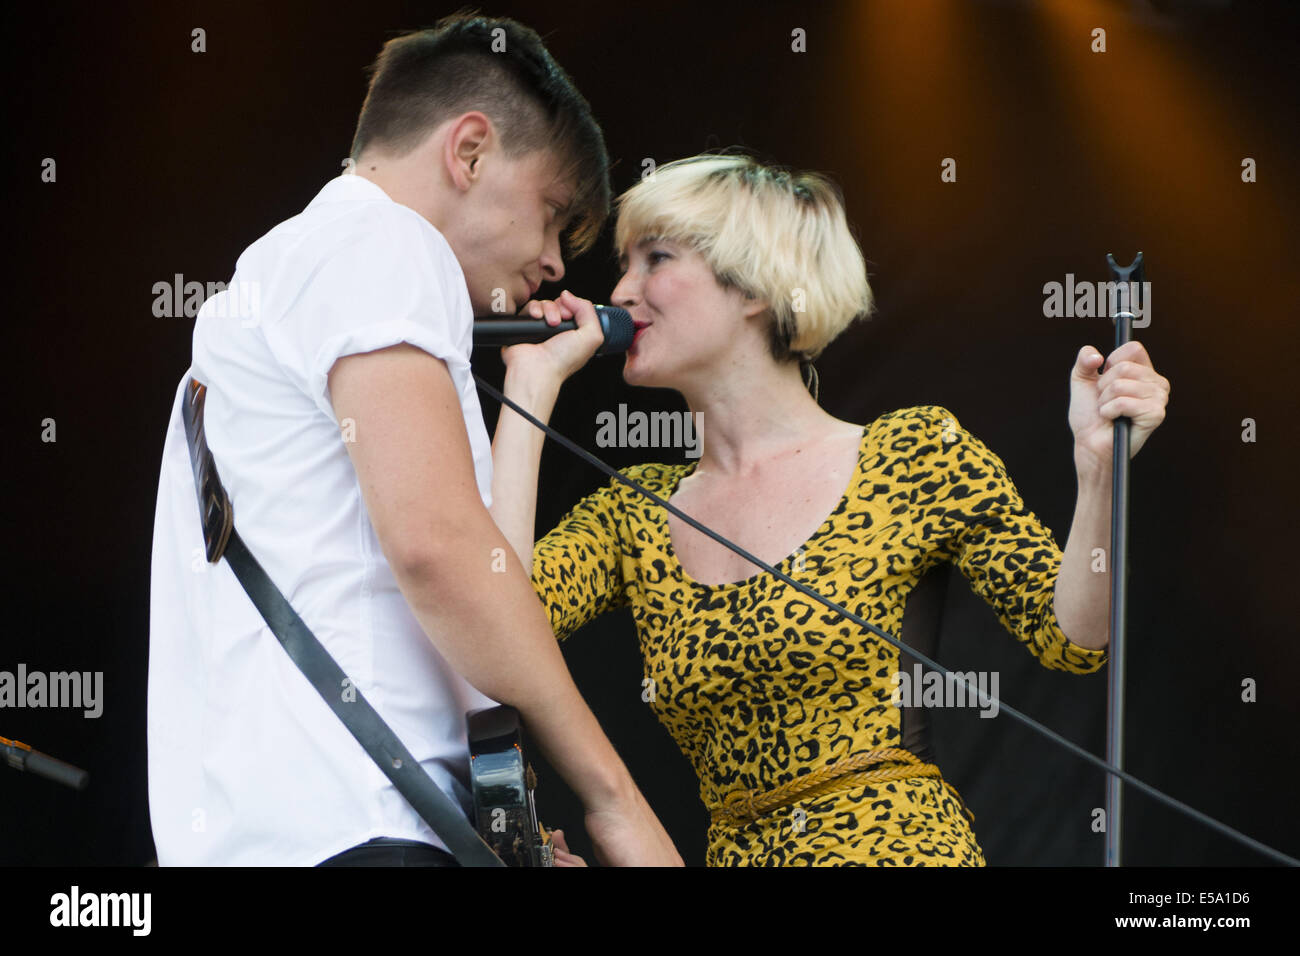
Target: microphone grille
<point x="619" y="329"/>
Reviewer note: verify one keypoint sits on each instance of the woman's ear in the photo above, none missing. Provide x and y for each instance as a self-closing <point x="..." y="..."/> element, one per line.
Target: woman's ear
<point x="754" y="307"/>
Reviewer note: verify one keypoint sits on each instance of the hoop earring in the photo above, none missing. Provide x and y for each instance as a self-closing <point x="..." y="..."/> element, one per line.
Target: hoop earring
<point x="810" y="378"/>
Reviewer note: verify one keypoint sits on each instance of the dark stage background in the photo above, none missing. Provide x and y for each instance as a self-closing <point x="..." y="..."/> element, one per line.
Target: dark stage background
<point x="170" y="161"/>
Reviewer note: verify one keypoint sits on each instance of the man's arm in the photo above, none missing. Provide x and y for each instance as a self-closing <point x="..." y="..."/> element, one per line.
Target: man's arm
<point x="413" y="461"/>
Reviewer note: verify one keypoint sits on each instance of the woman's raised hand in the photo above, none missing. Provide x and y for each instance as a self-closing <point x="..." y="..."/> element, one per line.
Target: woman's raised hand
<point x="1130" y="386"/>
<point x="561" y="355"/>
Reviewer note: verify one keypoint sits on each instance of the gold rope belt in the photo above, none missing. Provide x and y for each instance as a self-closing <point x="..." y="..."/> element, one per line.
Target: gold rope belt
<point x="741" y="807"/>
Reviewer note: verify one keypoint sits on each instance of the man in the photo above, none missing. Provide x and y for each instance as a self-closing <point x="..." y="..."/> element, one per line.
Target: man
<point x="345" y="426"/>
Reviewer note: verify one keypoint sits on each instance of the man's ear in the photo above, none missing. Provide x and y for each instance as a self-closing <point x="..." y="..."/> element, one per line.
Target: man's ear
<point x="469" y="138"/>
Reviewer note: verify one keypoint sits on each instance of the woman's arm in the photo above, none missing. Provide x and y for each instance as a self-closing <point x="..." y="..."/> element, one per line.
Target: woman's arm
<point x="516" y="457"/>
<point x="965" y="507"/>
<point x="1130" y="386"/>
<point x="534" y="374"/>
<point x="1082" y="597"/>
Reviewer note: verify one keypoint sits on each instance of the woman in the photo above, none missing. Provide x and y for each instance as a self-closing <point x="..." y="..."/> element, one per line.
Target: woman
<point x="738" y="275"/>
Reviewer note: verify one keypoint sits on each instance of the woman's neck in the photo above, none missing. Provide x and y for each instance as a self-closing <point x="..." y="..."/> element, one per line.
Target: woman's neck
<point x="752" y="412"/>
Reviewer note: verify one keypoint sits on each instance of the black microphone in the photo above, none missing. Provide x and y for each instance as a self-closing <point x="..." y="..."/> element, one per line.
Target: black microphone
<point x="492" y="332"/>
<point x="22" y="757"/>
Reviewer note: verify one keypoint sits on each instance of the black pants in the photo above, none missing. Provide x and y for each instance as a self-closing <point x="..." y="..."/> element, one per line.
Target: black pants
<point x="387" y="851"/>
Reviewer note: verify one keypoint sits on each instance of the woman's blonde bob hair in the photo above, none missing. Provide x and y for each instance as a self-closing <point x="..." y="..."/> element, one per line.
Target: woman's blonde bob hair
<point x="774" y="235"/>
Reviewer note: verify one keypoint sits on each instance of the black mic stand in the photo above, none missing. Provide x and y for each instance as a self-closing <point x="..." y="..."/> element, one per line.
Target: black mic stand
<point x="1123" y="319"/>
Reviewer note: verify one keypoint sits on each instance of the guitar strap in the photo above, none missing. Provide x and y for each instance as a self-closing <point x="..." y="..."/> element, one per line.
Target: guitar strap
<point x="321" y="670"/>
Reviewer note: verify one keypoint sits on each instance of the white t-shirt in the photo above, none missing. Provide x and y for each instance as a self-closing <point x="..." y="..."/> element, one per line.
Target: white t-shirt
<point x="247" y="764"/>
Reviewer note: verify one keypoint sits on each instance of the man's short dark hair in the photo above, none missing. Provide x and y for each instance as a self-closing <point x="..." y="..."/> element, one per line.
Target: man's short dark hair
<point x="500" y="67"/>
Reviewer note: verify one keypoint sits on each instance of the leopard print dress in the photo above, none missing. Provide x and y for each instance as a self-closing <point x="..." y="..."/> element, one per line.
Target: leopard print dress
<point x="758" y="684"/>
